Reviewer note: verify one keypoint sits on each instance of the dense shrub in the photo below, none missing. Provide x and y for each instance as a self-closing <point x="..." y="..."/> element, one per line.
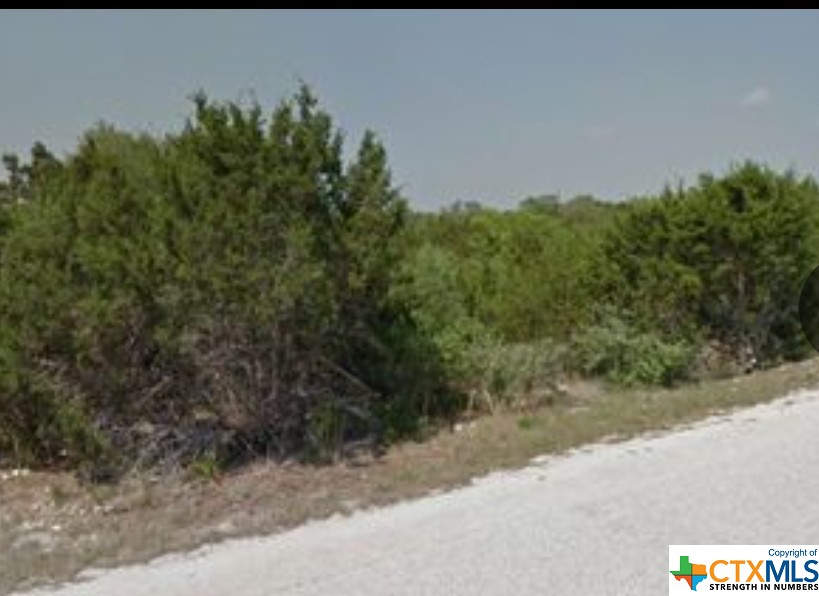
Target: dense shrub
<point x="617" y="351"/>
<point x="725" y="259"/>
<point x="217" y="293"/>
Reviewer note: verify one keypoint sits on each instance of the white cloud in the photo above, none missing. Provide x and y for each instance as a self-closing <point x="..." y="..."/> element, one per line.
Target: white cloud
<point x="759" y="96"/>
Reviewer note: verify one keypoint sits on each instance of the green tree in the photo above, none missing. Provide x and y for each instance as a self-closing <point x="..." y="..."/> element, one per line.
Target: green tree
<point x="725" y="259"/>
<point x="222" y="291"/>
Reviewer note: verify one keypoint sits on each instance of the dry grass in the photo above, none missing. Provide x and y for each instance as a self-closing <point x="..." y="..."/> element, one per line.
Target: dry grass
<point x="51" y="527"/>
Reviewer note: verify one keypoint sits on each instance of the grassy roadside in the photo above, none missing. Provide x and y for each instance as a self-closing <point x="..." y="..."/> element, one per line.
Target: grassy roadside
<point x="51" y="527"/>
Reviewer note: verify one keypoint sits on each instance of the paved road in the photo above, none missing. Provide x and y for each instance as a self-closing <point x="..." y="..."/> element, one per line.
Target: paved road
<point x="598" y="521"/>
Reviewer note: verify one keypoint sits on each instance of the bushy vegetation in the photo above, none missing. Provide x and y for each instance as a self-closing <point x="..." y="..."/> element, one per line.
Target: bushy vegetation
<point x="695" y="282"/>
<point x="224" y="289"/>
<point x="618" y="352"/>
<point x="725" y="259"/>
<point x="241" y="288"/>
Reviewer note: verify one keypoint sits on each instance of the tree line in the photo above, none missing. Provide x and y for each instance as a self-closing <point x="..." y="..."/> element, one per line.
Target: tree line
<point x="240" y="288"/>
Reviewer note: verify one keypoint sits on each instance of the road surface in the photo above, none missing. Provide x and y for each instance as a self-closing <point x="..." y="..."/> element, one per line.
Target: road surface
<point x="596" y="521"/>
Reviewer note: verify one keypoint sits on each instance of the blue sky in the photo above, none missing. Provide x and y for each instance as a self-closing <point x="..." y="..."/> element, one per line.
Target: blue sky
<point x="486" y="106"/>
